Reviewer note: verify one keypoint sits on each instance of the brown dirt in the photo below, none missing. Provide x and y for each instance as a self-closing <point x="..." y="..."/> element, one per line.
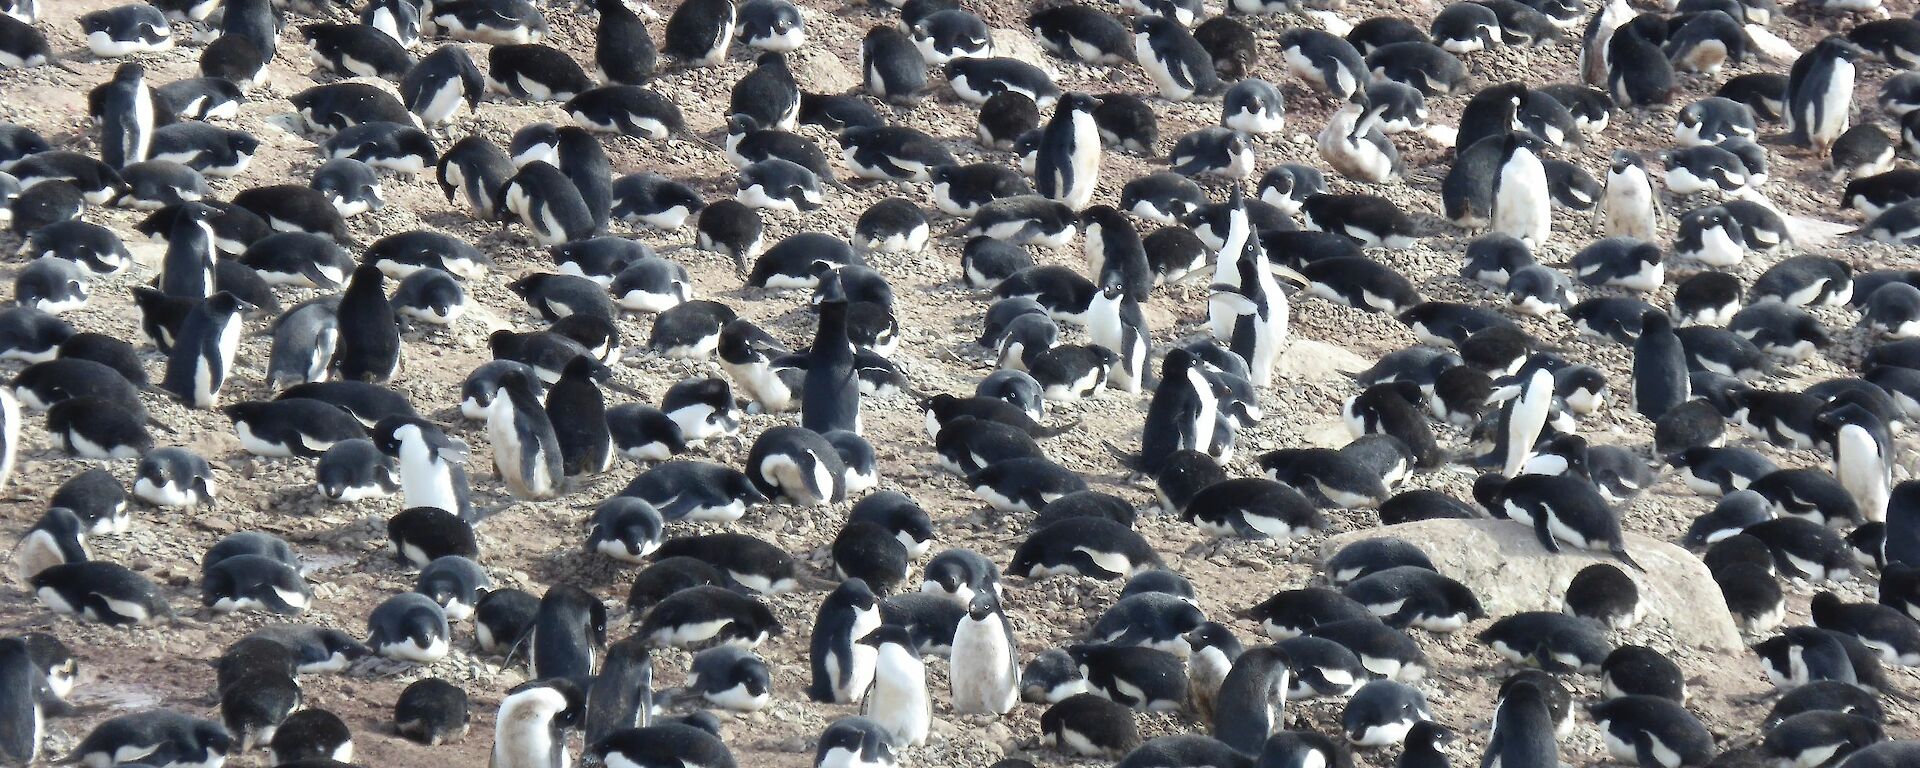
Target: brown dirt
<point x="530" y="545"/>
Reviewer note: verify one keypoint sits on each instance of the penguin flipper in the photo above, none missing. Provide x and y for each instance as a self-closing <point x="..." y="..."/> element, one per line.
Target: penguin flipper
<point x="1620" y="553"/>
<point x="1060" y="430"/>
<point x="1540" y="531"/>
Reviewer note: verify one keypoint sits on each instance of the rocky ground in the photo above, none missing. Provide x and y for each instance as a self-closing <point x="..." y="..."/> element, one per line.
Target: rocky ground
<point x="530" y="545"/>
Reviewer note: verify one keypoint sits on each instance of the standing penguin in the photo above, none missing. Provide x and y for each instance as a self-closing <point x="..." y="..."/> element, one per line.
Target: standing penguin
<point x="1863" y="452"/>
<point x="1523" y="729"/>
<point x="1819" y="94"/>
<point x="203" y="352"/>
<point x="368" y="348"/>
<point x="21" y="720"/>
<point x="1526" y="419"/>
<point x="432" y="471"/>
<point x="1521" y="205"/>
<point x="986" y="669"/>
<point x="578" y="412"/>
<point x="842" y="665"/>
<point x="1068" y="165"/>
<point x="526" y="452"/>
<point x="1630" y="207"/>
<point x="700" y="31"/>
<point x="899" y="701"/>
<point x="1249" y="706"/>
<point x="1659" y="367"/>
<point x="1248" y="312"/>
<point x="126" y="117"/>
<point x="186" y="271"/>
<point x="830" y="393"/>
<point x="1182" y="415"/>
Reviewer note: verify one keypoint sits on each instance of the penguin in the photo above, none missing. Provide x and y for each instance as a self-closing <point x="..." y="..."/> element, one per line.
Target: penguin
<point x="1069" y="155"/>
<point x="356" y="50"/>
<point x="892" y="69"/>
<point x="729" y="677"/>
<point x="1178" y="65"/>
<point x="1089" y="546"/>
<point x="1142" y="679"/>
<point x="1566" y="509"/>
<point x="1820" y="735"/>
<point x="526" y="450"/>
<point x="893" y="152"/>
<point x="311" y="734"/>
<point x="126" y="111"/>
<point x="1382" y="713"/>
<point x="155" y="184"/>
<point x="948" y="34"/>
<point x="1659" y="368"/>
<point x="1605" y="595"/>
<point x="430" y="463"/>
<point x="1213" y="152"/>
<point x="695" y="738"/>
<point x="1249" y="706"/>
<point x="162" y="736"/>
<point x="1621" y="262"/>
<point x="1819" y="93"/>
<point x="1081" y="33"/>
<point x="1410" y="595"/>
<point x="621" y="696"/>
<point x="548" y="203"/>
<point x="1324" y="61"/>
<point x="797" y="464"/>
<point x="101" y="591"/>
<point x="126" y="30"/>
<point x="57" y="538"/>
<point x="351" y="185"/>
<point x="1803" y="548"/>
<point x="502" y="618"/>
<point x="1353" y="144"/>
<point x="984" y="656"/>
<point x="1639" y="670"/>
<point x="1884" y="630"/>
<point x="1088" y="725"/>
<point x="894" y="225"/>
<point x="455" y="582"/>
<point x="51" y="285"/>
<point x="686" y="490"/>
<point x="253" y="582"/>
<point x="22" y="708"/>
<point x="625" y="528"/>
<point x="975" y="80"/>
<point x="1805" y="281"/>
<point x="830" y="394"/>
<point x="392" y="146"/>
<point x="1554" y="642"/>
<point x="535" y="723"/>
<point x="1426" y="67"/>
<point x="899" y="700"/>
<point x="478" y="170"/>
<point x="431" y="296"/>
<point x="409" y="627"/>
<point x="295" y="426"/>
<point x="771" y="25"/>
<point x="1652" y="731"/>
<point x="204" y="351"/>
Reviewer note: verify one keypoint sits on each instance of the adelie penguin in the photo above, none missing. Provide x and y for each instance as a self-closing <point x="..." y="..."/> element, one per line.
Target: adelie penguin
<point x="1174" y="60"/>
<point x="699" y="33"/>
<point x="1820" y="92"/>
<point x="100" y="591"/>
<point x="431" y="463"/>
<point x="535" y="723"/>
<point x="409" y="627"/>
<point x="126" y="30"/>
<point x="548" y="203"/>
<point x="203" y="353"/>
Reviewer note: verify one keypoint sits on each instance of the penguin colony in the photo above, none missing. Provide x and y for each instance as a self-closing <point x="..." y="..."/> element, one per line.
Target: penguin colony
<point x="654" y="428"/>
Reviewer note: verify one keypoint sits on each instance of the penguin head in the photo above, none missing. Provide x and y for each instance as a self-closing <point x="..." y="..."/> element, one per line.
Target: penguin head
<point x="129" y="73"/>
<point x="892" y="634"/>
<point x="1427" y="734"/>
<point x="1076" y="102"/>
<point x="983" y="605"/>
<point x="1213" y="635"/>
<point x="1624" y="159"/>
<point x="741" y="124"/>
<point x="1489" y="490"/>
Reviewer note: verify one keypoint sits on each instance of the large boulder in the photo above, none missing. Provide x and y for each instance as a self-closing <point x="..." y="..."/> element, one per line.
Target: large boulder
<point x="1504" y="565"/>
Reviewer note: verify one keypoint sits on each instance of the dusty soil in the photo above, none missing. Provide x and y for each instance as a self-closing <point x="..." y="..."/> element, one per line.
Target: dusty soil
<point x="530" y="545"/>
